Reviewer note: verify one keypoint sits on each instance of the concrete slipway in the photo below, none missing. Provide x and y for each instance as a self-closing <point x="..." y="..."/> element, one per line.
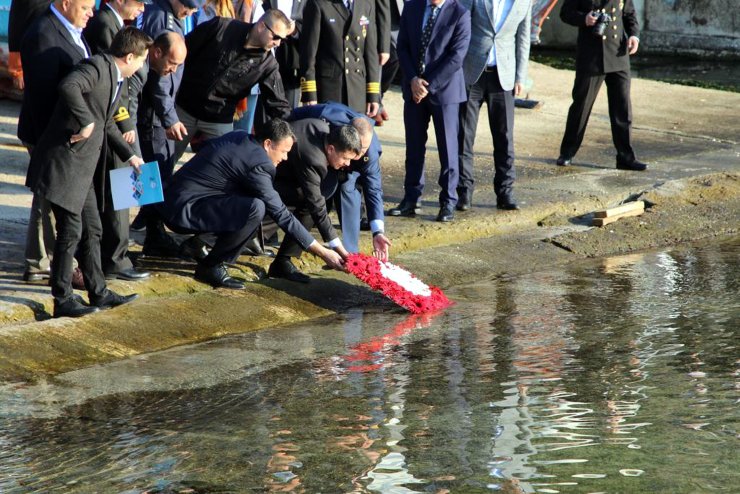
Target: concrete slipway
<point x="689" y="136"/>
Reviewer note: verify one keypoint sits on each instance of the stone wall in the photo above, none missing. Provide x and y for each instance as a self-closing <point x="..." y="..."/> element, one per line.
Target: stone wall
<point x="676" y="27"/>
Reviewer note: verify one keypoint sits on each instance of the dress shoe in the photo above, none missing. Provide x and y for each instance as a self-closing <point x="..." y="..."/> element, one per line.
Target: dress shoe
<point x="507" y="205"/>
<point x="635" y="166"/>
<point x="161" y="246"/>
<point x="130" y="274"/>
<point x="282" y="267"/>
<point x="72" y="307"/>
<point x="112" y="299"/>
<point x="446" y="213"/>
<point x="253" y="247"/>
<point x="194" y="248"/>
<point x="364" y="225"/>
<point x="139" y="223"/>
<point x="405" y="209"/>
<point x="464" y="200"/>
<point x="217" y="276"/>
<point x="564" y="161"/>
<point x="36" y="275"/>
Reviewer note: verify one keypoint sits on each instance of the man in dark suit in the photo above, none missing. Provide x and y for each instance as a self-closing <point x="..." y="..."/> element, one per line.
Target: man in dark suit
<point x="226" y="189"/>
<point x="310" y="175"/>
<point x="432" y="42"/>
<point x="362" y="174"/>
<point x="602" y="56"/>
<point x="339" y="54"/>
<point x="495" y="70"/>
<point x="99" y="34"/>
<point x="51" y="46"/>
<point x="65" y="167"/>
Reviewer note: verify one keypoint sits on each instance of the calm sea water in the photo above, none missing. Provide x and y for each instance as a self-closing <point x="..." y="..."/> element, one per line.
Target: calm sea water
<point x="618" y="375"/>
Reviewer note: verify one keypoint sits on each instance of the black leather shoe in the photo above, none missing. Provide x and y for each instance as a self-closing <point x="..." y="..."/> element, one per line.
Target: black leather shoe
<point x="635" y="166"/>
<point x="161" y="247"/>
<point x="364" y="225"/>
<point x="507" y="205"/>
<point x="72" y="307"/>
<point x="131" y="274"/>
<point x="254" y="248"/>
<point x="405" y="209"/>
<point x="218" y="277"/>
<point x="464" y="200"/>
<point x="112" y="299"/>
<point x="564" y="161"/>
<point x="446" y="214"/>
<point x="139" y="223"/>
<point x="283" y="268"/>
<point x="194" y="248"/>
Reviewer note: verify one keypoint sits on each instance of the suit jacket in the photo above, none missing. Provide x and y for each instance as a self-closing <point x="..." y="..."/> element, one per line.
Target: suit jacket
<point x="99" y="34"/>
<point x="339" y="52"/>
<point x="444" y="56"/>
<point x="383" y="23"/>
<point x="231" y="165"/>
<point x="511" y="41"/>
<point x="308" y="171"/>
<point x="48" y="53"/>
<point x="608" y="53"/>
<point x="22" y="14"/>
<point x="288" y="54"/>
<point x="63" y="172"/>
<point x="367" y="167"/>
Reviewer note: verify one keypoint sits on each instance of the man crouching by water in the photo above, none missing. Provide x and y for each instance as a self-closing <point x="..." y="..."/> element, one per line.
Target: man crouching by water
<point x="226" y="189"/>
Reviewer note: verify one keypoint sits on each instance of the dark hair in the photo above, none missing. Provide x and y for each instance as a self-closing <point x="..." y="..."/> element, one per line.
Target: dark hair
<point x="344" y="138"/>
<point x="130" y="40"/>
<point x="165" y="41"/>
<point x="276" y="130"/>
<point x="271" y="16"/>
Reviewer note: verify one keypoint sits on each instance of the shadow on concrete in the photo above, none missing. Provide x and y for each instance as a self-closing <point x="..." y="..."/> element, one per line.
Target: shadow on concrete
<point x="39" y="311"/>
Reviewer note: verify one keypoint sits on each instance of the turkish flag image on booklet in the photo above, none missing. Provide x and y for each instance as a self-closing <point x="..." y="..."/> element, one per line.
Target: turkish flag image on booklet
<point x="397" y="284"/>
<point x="129" y="189"/>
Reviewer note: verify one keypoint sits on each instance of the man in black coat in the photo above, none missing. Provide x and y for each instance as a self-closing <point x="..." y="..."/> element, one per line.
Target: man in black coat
<point x="22" y="14"/>
<point x="99" y="34"/>
<point x="288" y="54"/>
<point x="51" y="46"/>
<point x="339" y="54"/>
<point x="311" y="174"/>
<point x="602" y="55"/>
<point x="227" y="188"/>
<point x="65" y="168"/>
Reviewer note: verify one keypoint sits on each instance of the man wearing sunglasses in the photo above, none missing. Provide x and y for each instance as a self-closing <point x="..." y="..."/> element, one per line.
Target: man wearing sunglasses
<point x="226" y="57"/>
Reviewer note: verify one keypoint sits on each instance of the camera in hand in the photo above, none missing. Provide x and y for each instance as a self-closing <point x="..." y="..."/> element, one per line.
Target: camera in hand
<point x="602" y="22"/>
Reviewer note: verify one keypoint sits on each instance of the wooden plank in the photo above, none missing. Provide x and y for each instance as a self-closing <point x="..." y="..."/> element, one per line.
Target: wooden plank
<point x="612" y="219"/>
<point x="617" y="210"/>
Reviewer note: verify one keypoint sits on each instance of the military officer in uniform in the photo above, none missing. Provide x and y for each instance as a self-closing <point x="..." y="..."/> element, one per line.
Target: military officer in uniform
<point x="339" y="54"/>
<point x="607" y="35"/>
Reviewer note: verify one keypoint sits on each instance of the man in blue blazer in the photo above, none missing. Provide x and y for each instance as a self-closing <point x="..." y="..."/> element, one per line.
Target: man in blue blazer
<point x="495" y="70"/>
<point x="432" y="42"/>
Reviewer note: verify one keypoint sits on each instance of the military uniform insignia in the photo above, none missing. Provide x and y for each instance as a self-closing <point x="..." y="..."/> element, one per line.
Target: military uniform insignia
<point x="364" y="22"/>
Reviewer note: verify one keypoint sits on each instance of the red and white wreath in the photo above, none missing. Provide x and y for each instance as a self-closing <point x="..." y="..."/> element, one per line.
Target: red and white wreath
<point x="397" y="284"/>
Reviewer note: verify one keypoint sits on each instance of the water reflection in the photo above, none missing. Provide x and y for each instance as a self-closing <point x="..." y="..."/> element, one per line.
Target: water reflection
<point x="614" y="376"/>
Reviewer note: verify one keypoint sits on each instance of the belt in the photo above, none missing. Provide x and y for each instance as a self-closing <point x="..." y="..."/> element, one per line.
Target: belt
<point x="490" y="68"/>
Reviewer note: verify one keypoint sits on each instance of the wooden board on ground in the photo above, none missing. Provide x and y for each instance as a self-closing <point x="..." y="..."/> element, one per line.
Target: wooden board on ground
<point x="612" y="219"/>
<point x="617" y="210"/>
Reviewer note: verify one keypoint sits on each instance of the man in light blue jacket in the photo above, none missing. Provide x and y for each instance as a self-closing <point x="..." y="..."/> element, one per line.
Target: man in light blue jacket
<point x="495" y="70"/>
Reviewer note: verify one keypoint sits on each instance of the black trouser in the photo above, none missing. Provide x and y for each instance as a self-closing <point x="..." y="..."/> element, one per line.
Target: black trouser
<point x="156" y="147"/>
<point x="84" y="229"/>
<point x="500" y="105"/>
<point x="229" y="243"/>
<point x="585" y="89"/>
<point x="114" y="244"/>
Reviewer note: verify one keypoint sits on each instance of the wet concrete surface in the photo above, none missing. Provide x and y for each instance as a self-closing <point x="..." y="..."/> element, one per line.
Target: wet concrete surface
<point x="688" y="135"/>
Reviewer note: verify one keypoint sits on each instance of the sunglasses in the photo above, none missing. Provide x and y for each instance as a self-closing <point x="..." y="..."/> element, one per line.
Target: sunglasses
<point x="275" y="37"/>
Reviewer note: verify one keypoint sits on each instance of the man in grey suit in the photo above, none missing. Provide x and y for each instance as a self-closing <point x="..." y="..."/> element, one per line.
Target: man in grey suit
<point x="495" y="70"/>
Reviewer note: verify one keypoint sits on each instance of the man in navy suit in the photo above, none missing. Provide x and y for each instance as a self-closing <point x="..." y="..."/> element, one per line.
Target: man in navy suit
<point x="432" y="42"/>
<point x="227" y="188"/>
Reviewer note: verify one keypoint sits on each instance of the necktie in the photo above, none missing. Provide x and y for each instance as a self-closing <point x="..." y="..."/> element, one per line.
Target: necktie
<point x="426" y="37"/>
<point x="115" y="94"/>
